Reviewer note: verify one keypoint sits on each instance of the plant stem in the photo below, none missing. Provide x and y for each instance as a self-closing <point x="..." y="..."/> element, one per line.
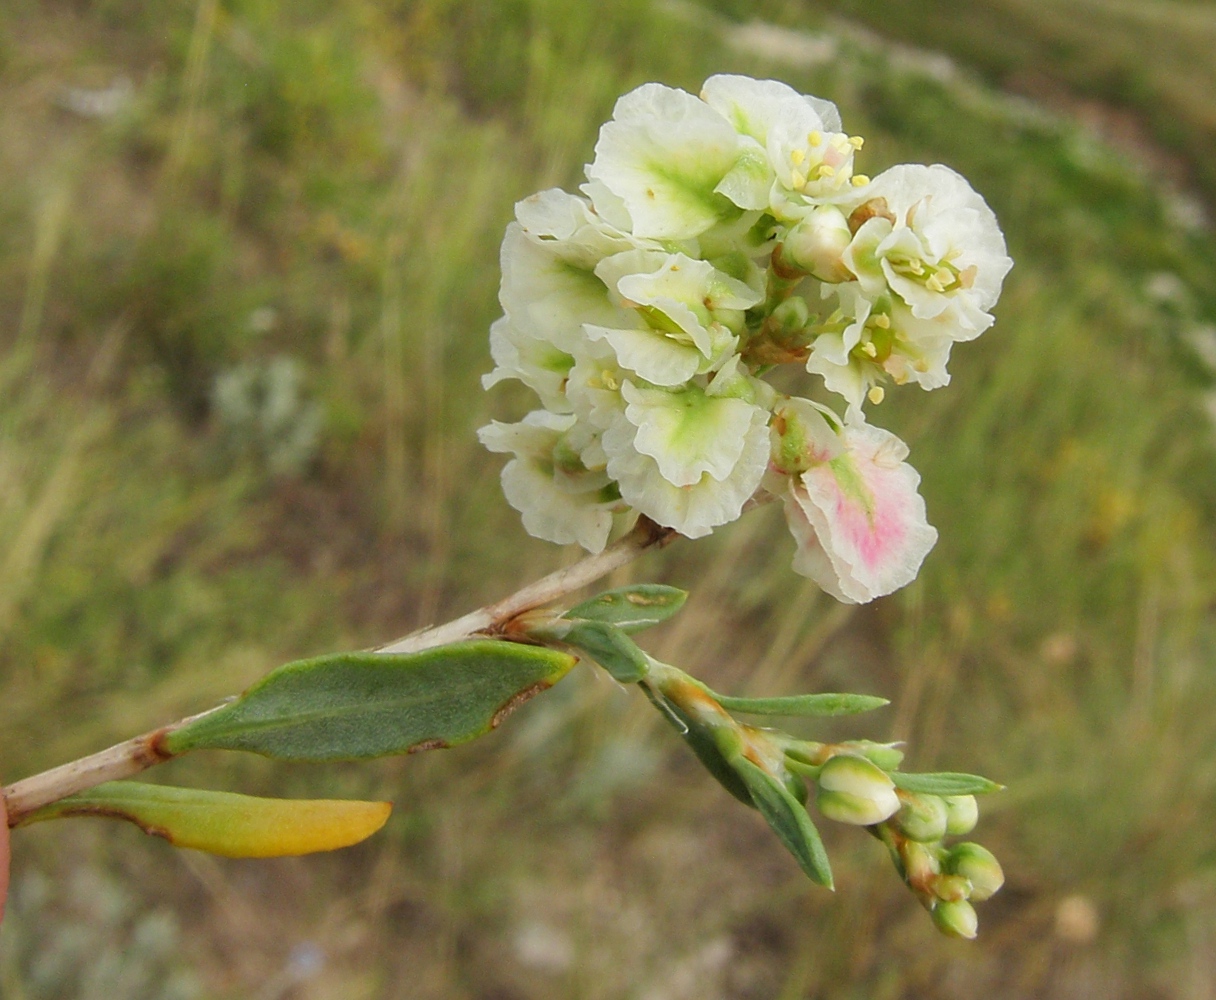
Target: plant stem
<point x="141" y="752"/>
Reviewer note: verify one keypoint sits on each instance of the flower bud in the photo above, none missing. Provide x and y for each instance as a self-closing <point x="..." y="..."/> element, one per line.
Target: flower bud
<point x="793" y="314"/>
<point x="979" y="866"/>
<point x="922" y="817"/>
<point x="951" y="888"/>
<point x="853" y="790"/>
<point x="962" y="813"/>
<point x="920" y="865"/>
<point x="957" y="919"/>
<point x="816" y="242"/>
<point x="886" y="755"/>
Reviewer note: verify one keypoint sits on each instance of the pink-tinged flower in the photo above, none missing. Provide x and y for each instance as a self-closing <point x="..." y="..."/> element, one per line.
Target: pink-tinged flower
<point x="857" y="519"/>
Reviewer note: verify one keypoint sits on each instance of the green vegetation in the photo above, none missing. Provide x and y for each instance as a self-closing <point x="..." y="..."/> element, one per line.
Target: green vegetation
<point x="302" y="202"/>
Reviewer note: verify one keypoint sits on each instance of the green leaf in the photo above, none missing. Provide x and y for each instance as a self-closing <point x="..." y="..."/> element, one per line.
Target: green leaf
<point x="788" y="818"/>
<point x="804" y="704"/>
<point x="632" y="609"/>
<point x="353" y="706"/>
<point x="235" y="826"/>
<point x="944" y="783"/>
<point x="610" y="647"/>
<point x="702" y="743"/>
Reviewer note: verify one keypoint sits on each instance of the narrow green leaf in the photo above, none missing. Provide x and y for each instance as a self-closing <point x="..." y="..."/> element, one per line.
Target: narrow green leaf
<point x="235" y="826"/>
<point x="611" y="648"/>
<point x="788" y="818"/>
<point x="945" y="783"/>
<point x="353" y="706"/>
<point x="632" y="609"/>
<point x="701" y="742"/>
<point x="804" y="704"/>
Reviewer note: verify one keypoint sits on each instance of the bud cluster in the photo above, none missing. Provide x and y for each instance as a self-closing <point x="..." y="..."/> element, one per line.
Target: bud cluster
<point x="856" y="782"/>
<point x="716" y="237"/>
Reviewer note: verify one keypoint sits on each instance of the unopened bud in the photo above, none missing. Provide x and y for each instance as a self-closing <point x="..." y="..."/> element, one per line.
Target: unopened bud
<point x="886" y="755"/>
<point x="853" y="790"/>
<point x="956" y="919"/>
<point x="962" y="813"/>
<point x="920" y="865"/>
<point x="793" y="314"/>
<point x="815" y="244"/>
<point x="922" y="817"/>
<point x="979" y="866"/>
<point x="951" y="888"/>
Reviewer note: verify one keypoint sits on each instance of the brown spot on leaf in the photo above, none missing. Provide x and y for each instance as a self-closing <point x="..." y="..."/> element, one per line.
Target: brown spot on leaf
<point x="110" y="812"/>
<point x="518" y="699"/>
<point x="431" y="744"/>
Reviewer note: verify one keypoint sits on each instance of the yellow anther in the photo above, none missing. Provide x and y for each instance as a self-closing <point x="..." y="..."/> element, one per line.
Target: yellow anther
<point x="882" y="321"/>
<point x="609" y="382"/>
<point x="860" y="180"/>
<point x="797" y="156"/>
<point x="934" y="283"/>
<point x="814" y="138"/>
<point x="856" y="141"/>
<point x="826" y="171"/>
<point x="869" y="348"/>
<point x="876" y="394"/>
<point x="798" y="180"/>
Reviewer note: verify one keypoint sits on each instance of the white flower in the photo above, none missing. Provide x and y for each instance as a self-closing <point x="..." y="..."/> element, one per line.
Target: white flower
<point x="687" y="459"/>
<point x="560" y="499"/>
<point x="857" y="519"/>
<point x="534" y="362"/>
<point x="663" y="155"/>
<point x="796" y="138"/>
<point x="550" y="290"/>
<point x="881" y="339"/>
<point x="935" y="243"/>
<point x="677" y="314"/>
<point x="593" y="386"/>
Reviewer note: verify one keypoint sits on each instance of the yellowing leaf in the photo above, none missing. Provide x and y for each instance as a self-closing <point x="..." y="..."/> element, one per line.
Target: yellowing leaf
<point x="235" y="826"/>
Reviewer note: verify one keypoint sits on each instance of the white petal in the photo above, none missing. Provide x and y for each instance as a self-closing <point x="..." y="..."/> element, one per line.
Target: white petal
<point x="688" y="433"/>
<point x="650" y="354"/>
<point x="534" y="436"/>
<point x="549" y="296"/>
<point x="594" y="385"/>
<point x="535" y="362"/>
<point x="693" y="510"/>
<point x="551" y="513"/>
<point x="556" y="505"/>
<point x="753" y="107"/>
<point x="663" y="154"/>
<point x="867" y="514"/>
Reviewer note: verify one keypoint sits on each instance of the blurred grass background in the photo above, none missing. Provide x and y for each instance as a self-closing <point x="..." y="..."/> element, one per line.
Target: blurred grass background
<point x="248" y="259"/>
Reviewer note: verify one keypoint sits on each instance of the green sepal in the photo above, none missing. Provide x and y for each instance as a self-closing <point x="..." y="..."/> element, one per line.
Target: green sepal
<point x="610" y="647"/>
<point x="701" y="742"/>
<point x="355" y="706"/>
<point x="632" y="609"/>
<point x="234" y="826"/>
<point x="803" y="704"/>
<point x="788" y="818"/>
<point x="945" y="783"/>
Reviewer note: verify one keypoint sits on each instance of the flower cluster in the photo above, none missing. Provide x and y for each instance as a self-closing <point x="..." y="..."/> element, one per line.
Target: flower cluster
<point x="716" y="238"/>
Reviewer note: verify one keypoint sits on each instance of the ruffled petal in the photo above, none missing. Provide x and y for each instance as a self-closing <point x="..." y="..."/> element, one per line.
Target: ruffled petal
<point x="696" y="509"/>
<point x="663" y="154"/>
<point x="866" y="515"/>
<point x="688" y="433"/>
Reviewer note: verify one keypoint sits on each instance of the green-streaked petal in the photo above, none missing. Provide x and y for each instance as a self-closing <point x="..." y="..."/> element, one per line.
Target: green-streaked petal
<point x="688" y="433"/>
<point x="663" y="154"/>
